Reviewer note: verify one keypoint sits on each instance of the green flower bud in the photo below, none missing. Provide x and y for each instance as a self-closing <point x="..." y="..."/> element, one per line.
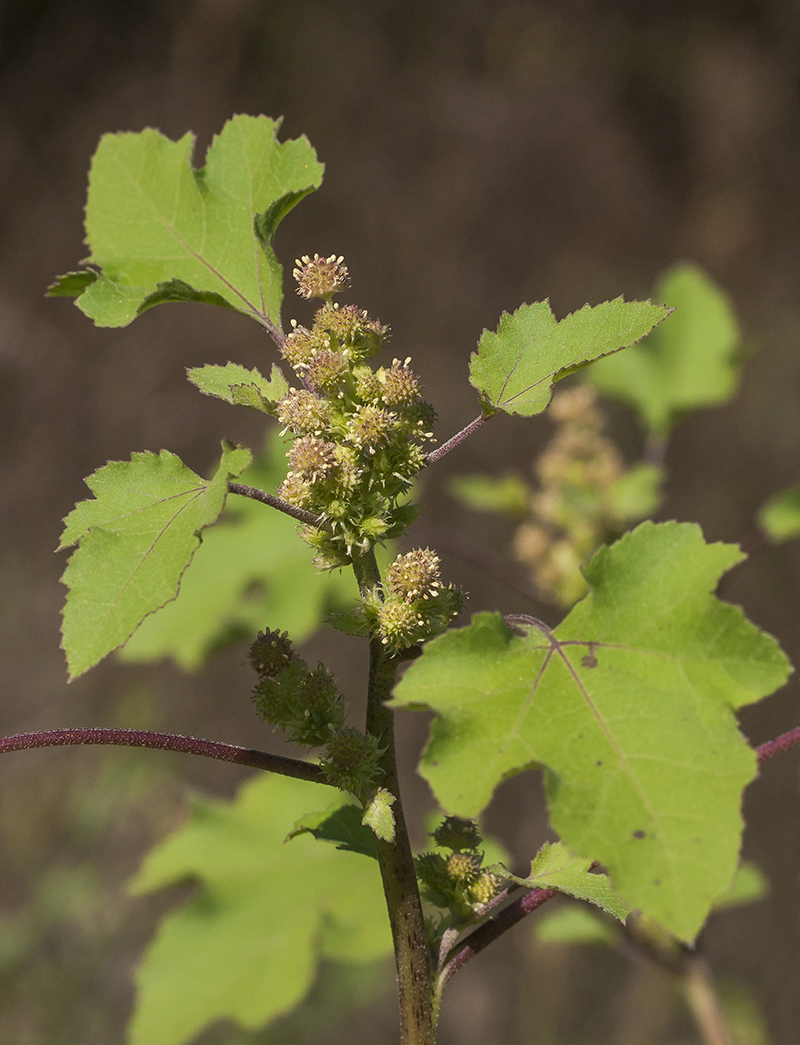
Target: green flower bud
<point x="435" y="883"/>
<point x="368" y="385"/>
<point x="485" y="887"/>
<point x="351" y="761"/>
<point x="456" y="833"/>
<point x="270" y="653"/>
<point x="464" y="867"/>
<point x="320" y="277"/>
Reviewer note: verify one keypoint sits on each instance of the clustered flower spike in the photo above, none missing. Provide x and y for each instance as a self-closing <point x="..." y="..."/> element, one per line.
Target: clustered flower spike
<point x="458" y="883"/>
<point x="586" y="497"/>
<point x="359" y="434"/>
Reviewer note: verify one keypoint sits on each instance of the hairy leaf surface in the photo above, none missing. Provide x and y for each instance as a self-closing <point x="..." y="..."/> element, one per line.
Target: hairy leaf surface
<point x="628" y="704"/>
<point x="160" y="230"/>
<point x="136" y="538"/>
<point x="690" y="362"/>
<point x="515" y="367"/>
<point x="555" y="867"/>
<point x="251" y="572"/>
<point x="247" y="945"/>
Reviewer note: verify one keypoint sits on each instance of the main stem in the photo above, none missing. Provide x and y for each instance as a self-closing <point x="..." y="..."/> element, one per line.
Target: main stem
<point x="412" y="955"/>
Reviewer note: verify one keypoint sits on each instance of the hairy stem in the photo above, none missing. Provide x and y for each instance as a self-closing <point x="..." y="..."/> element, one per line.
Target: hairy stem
<point x="781" y="743"/>
<point x="459" y="437"/>
<point x="412" y="955"/>
<point x="275" y="502"/>
<point x="165" y="742"/>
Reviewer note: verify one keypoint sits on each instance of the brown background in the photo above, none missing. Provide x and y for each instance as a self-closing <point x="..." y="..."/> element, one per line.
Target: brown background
<point x="478" y="155"/>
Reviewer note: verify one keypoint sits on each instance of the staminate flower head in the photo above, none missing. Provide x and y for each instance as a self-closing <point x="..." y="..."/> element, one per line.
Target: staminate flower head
<point x="297" y="491"/>
<point x="414" y="575"/>
<point x="399" y="624"/>
<point x="301" y="344"/>
<point x="312" y="458"/>
<point x="370" y="427"/>
<point x="321" y="277"/>
<point x="327" y="370"/>
<point x="485" y="887"/>
<point x="303" y="412"/>
<point x="400" y="385"/>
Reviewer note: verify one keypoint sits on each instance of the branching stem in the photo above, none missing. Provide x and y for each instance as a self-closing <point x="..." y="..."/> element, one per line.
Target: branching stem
<point x="276" y="502"/>
<point x="398" y="874"/>
<point x="243" y="756"/>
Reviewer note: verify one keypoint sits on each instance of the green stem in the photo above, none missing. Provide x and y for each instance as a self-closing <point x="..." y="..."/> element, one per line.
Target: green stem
<point x="698" y="990"/>
<point x="412" y="955"/>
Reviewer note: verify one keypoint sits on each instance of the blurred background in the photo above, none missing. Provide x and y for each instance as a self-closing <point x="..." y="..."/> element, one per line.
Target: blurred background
<point x="478" y="155"/>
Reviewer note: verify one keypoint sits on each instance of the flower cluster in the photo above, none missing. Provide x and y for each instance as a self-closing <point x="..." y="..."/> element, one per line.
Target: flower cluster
<point x="586" y="495"/>
<point x="412" y="605"/>
<point x="457" y="883"/>
<point x="359" y="433"/>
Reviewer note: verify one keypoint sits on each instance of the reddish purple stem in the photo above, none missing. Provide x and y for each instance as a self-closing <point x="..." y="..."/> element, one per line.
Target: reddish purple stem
<point x="451" y="444"/>
<point x="243" y="756"/>
<point x="781" y="743"/>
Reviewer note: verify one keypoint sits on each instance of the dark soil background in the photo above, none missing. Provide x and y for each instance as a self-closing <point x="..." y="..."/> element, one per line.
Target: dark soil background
<point x="478" y="155"/>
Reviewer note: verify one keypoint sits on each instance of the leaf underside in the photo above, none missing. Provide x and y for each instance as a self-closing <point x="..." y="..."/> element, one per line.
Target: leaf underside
<point x="516" y="366"/>
<point x="629" y="706"/>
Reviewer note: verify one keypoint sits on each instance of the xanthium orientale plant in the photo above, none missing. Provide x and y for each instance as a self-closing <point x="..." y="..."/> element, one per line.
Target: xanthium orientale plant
<point x="628" y="704"/>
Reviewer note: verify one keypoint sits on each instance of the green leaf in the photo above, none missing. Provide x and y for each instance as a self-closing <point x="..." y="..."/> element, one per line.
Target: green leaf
<point x="572" y="924"/>
<point x="508" y="494"/>
<point x="160" y="230"/>
<point x="637" y="493"/>
<point x="690" y="362"/>
<point x="748" y="886"/>
<point x="628" y="703"/>
<point x="239" y="386"/>
<point x="515" y="368"/>
<point x="247" y="945"/>
<point x="555" y="867"/>
<point x="135" y="539"/>
<point x="342" y="824"/>
<point x="71" y="284"/>
<point x="378" y="815"/>
<point x="779" y="517"/>
<point x="252" y="571"/>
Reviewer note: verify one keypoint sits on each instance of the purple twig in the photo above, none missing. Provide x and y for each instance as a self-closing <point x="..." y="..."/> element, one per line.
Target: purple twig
<point x="243" y="756"/>
<point x="451" y="444"/>
<point x="276" y="502"/>
<point x="495" y="927"/>
<point x="781" y="743"/>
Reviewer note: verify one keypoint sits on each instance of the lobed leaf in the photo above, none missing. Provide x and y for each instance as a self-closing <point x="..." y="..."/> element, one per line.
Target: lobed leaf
<point x="629" y="706"/>
<point x="246" y="947"/>
<point x="160" y="230"/>
<point x="555" y="867"/>
<point x="136" y="538"/>
<point x="239" y="386"/>
<point x="688" y="363"/>
<point x="515" y="367"/>
<point x="250" y="572"/>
